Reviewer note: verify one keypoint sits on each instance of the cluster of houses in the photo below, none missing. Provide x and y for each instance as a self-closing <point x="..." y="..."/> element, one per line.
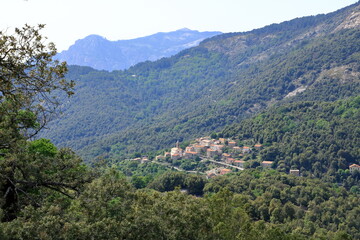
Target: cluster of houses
<point x="210" y="148"/>
<point x="206" y="147"/>
<point x="222" y="150"/>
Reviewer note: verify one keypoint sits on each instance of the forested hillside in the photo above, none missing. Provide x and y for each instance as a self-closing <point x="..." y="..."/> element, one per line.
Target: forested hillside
<point x="224" y="80"/>
<point x="318" y="138"/>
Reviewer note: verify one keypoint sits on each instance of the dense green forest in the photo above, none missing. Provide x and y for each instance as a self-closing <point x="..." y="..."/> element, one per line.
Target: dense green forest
<point x="247" y="205"/>
<point x="318" y="138"/>
<point x="200" y="90"/>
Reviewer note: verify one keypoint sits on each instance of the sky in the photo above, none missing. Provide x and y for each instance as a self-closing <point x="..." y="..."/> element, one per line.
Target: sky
<point x="69" y="20"/>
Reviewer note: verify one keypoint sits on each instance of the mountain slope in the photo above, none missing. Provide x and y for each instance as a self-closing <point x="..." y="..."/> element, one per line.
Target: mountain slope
<point x="318" y="138"/>
<point x="224" y="80"/>
<point x="100" y="53"/>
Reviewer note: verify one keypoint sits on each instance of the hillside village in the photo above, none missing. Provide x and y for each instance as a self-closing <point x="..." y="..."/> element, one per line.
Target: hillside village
<point x="220" y="156"/>
<point x="226" y="154"/>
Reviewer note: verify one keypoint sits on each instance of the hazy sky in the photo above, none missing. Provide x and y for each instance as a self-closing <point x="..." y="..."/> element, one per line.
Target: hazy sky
<point x="69" y="20"/>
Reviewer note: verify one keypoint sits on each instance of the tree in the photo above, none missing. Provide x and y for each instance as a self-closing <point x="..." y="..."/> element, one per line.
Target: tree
<point x="28" y="79"/>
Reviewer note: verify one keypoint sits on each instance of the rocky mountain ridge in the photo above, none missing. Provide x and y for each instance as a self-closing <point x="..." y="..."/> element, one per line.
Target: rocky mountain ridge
<point x="97" y="52"/>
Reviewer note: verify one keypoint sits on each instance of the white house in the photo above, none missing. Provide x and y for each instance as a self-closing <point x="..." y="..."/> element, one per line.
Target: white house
<point x="354" y="167"/>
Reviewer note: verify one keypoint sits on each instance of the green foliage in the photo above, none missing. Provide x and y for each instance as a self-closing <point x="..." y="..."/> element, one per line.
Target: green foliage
<point x="43" y="147"/>
<point x="141" y="174"/>
<point x="313" y="137"/>
<point x="28" y="77"/>
<point x="298" y="205"/>
<point x="31" y="171"/>
<point x="194" y="184"/>
<point x="110" y="208"/>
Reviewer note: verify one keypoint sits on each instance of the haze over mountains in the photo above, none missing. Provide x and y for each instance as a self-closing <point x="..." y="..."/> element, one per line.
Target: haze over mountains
<point x="97" y="52"/>
<point x="225" y="79"/>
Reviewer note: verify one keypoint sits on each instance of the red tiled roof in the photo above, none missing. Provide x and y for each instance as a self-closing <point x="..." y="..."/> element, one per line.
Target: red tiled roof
<point x="191" y="152"/>
<point x="354" y="165"/>
<point x="224" y="171"/>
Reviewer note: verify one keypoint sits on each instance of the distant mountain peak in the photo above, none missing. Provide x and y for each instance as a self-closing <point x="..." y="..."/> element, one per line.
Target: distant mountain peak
<point x="88" y="40"/>
<point x="185" y="30"/>
<point x="92" y="37"/>
<point x="97" y="52"/>
<point x="95" y="36"/>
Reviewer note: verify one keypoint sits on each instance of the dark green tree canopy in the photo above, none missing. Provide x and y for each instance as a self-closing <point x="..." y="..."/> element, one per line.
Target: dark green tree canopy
<point x="28" y="79"/>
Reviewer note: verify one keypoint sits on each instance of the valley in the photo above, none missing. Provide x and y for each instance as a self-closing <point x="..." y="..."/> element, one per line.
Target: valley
<point x="184" y="135"/>
<point x="203" y="89"/>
